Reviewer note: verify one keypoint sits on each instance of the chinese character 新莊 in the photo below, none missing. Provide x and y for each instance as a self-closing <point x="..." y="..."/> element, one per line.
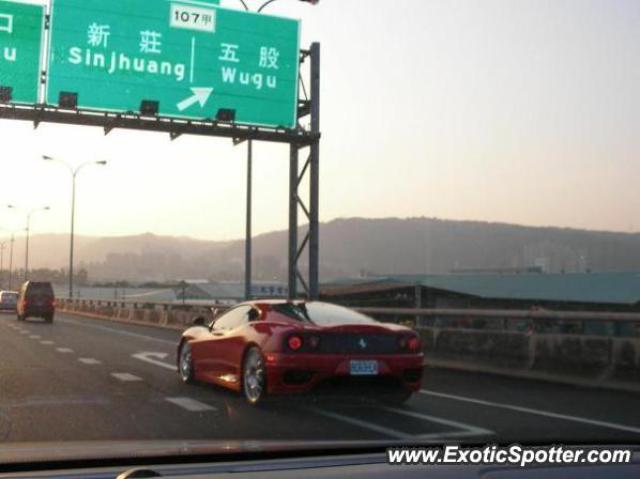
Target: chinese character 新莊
<point x="150" y="42"/>
<point x="98" y="35"/>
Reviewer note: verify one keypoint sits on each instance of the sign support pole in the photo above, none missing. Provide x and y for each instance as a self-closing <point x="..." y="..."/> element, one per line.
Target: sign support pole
<point x="314" y="203"/>
<point x="293" y="221"/>
<point x="310" y="170"/>
<point x="248" y="239"/>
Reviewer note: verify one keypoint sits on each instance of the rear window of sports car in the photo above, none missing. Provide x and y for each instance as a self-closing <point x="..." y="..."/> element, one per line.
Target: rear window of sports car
<point x="322" y="314"/>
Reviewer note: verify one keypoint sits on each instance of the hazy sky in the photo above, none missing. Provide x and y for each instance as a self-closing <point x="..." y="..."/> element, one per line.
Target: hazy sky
<point x="502" y="110"/>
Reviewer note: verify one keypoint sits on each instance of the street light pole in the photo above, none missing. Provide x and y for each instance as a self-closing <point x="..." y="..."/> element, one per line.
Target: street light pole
<point x="71" y="239"/>
<point x="263" y="6"/>
<point x="3" y="245"/>
<point x="74" y="173"/>
<point x="26" y="251"/>
<point x="26" y="254"/>
<point x="11" y="262"/>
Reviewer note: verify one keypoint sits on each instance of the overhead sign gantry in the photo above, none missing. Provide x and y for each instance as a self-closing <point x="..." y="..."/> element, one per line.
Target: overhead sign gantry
<point x="21" y="46"/>
<point x="180" y="59"/>
<point x="175" y="66"/>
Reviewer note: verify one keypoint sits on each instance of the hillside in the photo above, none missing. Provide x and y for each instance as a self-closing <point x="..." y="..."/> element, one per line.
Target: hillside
<point x="349" y="247"/>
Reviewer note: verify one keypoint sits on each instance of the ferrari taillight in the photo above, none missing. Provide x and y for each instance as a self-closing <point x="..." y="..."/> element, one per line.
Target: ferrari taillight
<point x="413" y="344"/>
<point x="294" y="342"/>
<point x="409" y="343"/>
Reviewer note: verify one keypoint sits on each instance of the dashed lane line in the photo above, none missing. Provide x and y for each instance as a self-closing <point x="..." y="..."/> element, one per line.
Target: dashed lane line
<point x="89" y="361"/>
<point x="460" y="429"/>
<point x="126" y="377"/>
<point x="527" y="410"/>
<point x="464" y="429"/>
<point x="35" y="336"/>
<point x="47" y="342"/>
<point x="363" y="424"/>
<point x="190" y="405"/>
<point x="64" y="350"/>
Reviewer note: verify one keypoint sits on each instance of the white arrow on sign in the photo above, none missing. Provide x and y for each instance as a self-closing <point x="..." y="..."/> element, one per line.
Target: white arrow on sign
<point x="155" y="358"/>
<point x="200" y="95"/>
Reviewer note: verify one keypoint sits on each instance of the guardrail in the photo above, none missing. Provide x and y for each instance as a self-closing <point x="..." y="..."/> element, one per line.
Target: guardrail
<point x="584" y="348"/>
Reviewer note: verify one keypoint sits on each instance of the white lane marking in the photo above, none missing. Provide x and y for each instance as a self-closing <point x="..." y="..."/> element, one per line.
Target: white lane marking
<point x="363" y="424"/>
<point x="64" y="350"/>
<point x="89" y="361"/>
<point x="465" y="429"/>
<point x="126" y="377"/>
<point x="511" y="407"/>
<point x="117" y="331"/>
<point x="191" y="404"/>
<point x="47" y="342"/>
<point x="24" y="331"/>
<point x="54" y="401"/>
<point x="35" y="336"/>
<point x="154" y="358"/>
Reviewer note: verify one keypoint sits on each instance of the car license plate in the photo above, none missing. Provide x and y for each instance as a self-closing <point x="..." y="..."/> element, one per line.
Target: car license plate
<point x="364" y="368"/>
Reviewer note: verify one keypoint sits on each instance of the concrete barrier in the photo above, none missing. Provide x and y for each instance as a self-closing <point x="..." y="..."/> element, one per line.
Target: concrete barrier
<point x="531" y="352"/>
<point x="573" y="359"/>
<point x="164" y="315"/>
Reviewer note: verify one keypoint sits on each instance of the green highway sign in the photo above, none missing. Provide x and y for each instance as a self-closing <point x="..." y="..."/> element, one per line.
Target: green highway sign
<point x="179" y="58"/>
<point x="21" y="30"/>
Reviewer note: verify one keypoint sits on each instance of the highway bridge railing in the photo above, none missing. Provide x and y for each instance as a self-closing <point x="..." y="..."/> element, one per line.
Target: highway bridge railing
<point x="578" y="347"/>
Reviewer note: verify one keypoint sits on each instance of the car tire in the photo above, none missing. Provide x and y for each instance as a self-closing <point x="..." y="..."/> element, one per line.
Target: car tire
<point x="49" y="318"/>
<point x="185" y="364"/>
<point x="254" y="376"/>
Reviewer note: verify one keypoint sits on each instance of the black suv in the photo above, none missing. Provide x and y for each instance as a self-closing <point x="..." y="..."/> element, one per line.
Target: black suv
<point x="36" y="300"/>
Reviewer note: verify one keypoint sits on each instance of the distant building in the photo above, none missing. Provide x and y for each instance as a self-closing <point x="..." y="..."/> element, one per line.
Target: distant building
<point x="232" y="291"/>
<point x="524" y="270"/>
<point x="576" y="291"/>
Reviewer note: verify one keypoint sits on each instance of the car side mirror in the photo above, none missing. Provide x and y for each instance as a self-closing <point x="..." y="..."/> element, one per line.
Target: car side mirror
<point x="254" y="314"/>
<point x="198" y="321"/>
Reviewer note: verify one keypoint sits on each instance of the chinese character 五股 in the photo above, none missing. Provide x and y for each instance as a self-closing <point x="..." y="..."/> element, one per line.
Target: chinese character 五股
<point x="269" y="58"/>
<point x="150" y="42"/>
<point x="229" y="53"/>
<point x="98" y="35"/>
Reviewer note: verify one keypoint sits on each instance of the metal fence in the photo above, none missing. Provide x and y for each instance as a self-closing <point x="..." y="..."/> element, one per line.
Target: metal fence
<point x="522" y="321"/>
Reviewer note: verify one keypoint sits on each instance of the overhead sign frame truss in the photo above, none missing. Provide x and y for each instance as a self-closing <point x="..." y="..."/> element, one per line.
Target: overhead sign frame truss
<point x="224" y="126"/>
<point x="298" y="138"/>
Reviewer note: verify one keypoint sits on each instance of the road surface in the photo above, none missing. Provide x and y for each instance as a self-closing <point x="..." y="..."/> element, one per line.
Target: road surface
<point x="86" y="379"/>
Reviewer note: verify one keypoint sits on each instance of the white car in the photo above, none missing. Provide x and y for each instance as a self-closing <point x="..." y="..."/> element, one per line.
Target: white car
<point x="8" y="301"/>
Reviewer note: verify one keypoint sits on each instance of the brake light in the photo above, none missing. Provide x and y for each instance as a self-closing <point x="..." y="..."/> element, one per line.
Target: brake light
<point x="409" y="343"/>
<point x="294" y="343"/>
<point x="413" y="344"/>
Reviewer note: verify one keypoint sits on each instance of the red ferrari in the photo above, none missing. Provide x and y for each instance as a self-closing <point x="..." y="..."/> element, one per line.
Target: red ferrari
<point x="274" y="347"/>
